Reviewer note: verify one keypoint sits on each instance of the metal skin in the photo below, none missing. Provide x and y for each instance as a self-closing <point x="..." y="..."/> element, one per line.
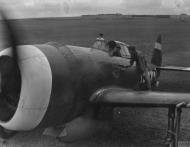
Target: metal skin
<point x="63" y="80"/>
<point x="78" y="72"/>
<point x="125" y="97"/>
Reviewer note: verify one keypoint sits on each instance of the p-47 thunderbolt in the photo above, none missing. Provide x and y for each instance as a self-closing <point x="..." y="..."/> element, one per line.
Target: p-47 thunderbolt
<point x="71" y="91"/>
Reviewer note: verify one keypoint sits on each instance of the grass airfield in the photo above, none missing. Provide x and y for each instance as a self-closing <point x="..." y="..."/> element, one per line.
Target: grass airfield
<point x="131" y="127"/>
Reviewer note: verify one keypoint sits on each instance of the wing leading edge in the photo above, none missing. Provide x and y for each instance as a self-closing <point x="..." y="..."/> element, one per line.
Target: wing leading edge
<point x="174" y="68"/>
<point x="125" y="97"/>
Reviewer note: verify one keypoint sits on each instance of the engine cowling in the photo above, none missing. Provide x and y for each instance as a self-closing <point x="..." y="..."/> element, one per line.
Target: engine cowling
<point x="36" y="78"/>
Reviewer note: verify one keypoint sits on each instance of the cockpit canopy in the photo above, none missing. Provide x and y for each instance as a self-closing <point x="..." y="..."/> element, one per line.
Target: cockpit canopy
<point x="102" y="45"/>
<point x="124" y="50"/>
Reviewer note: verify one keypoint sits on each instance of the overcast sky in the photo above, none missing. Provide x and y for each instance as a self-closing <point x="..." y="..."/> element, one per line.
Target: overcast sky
<point x="57" y="8"/>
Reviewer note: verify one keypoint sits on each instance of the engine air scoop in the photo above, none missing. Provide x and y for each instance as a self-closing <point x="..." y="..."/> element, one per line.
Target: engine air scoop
<point x="10" y="85"/>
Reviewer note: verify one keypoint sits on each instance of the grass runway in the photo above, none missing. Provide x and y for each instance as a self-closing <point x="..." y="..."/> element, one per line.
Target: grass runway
<point x="132" y="127"/>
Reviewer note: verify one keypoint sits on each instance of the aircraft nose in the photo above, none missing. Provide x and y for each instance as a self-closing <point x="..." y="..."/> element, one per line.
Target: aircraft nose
<point x="25" y="91"/>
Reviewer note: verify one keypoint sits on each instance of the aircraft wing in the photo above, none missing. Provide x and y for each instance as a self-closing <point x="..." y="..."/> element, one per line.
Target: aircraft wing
<point x="174" y="68"/>
<point x="125" y="97"/>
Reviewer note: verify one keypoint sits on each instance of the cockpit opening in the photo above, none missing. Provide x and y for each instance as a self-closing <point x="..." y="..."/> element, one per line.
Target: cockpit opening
<point x="114" y="48"/>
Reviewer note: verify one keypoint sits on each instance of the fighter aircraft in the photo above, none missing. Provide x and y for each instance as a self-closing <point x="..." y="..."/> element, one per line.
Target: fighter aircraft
<point x="70" y="91"/>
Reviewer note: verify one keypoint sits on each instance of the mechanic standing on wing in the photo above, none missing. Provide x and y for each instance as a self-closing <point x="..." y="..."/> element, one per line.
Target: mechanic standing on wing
<point x="100" y="37"/>
<point x="99" y="43"/>
<point x="144" y="81"/>
<point x="133" y="53"/>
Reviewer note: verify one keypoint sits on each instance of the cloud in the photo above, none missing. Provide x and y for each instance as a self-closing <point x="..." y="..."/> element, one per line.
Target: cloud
<point x="46" y="8"/>
<point x="176" y="6"/>
<point x="37" y="8"/>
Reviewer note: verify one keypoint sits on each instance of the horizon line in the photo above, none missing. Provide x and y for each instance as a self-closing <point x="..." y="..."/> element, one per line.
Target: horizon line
<point x="84" y="15"/>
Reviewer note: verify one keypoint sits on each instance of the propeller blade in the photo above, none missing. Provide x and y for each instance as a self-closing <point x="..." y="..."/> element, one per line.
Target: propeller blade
<point x="11" y="34"/>
<point x="11" y="78"/>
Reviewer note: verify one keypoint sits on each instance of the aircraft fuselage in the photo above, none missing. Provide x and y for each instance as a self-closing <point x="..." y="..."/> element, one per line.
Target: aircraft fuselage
<point x="77" y="73"/>
<point x="57" y="82"/>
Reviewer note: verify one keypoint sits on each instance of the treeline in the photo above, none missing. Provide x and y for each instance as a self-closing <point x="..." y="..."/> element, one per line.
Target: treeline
<point x="154" y="16"/>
